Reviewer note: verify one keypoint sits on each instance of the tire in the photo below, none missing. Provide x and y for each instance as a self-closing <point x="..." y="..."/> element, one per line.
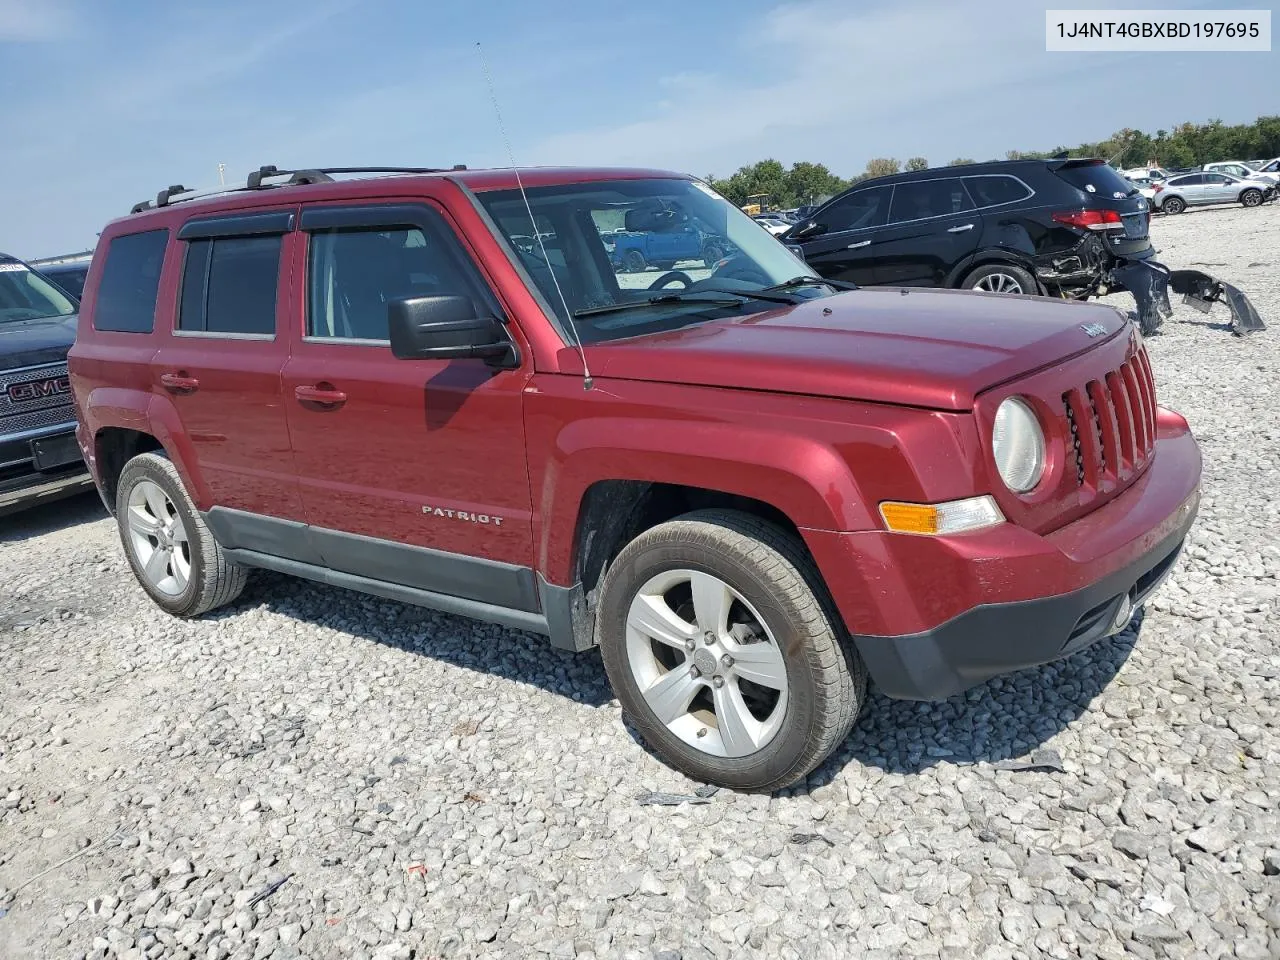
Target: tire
<point x="1001" y="278"/>
<point x="193" y="577"/>
<point x="813" y="683"/>
<point x="665" y="265"/>
<point x="712" y="254"/>
<point x="634" y="261"/>
<point x="1174" y="205"/>
<point x="1251" y="197"/>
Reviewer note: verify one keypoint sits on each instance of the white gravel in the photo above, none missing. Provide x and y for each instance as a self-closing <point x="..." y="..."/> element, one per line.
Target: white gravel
<point x="434" y="787"/>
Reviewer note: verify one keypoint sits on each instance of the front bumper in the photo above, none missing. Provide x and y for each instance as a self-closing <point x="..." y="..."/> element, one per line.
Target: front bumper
<point x="38" y="466"/>
<point x="933" y="616"/>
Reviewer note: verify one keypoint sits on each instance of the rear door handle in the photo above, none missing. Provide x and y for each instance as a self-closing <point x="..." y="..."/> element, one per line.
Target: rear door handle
<point x="324" y="394"/>
<point x="855" y="246"/>
<point x="960" y="229"/>
<point x="179" y="383"/>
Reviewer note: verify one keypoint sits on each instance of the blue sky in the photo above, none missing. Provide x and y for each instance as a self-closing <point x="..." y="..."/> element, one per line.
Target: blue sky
<point x="105" y="103"/>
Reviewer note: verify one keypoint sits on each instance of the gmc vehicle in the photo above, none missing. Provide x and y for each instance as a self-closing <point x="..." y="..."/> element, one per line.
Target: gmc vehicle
<point x="39" y="457"/>
<point x="751" y="491"/>
<point x="1063" y="228"/>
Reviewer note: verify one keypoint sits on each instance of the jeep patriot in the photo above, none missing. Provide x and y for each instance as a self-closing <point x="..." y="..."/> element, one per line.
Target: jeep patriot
<point x="751" y="488"/>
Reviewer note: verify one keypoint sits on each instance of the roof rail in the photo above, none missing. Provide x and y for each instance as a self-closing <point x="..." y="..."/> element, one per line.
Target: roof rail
<point x="255" y="181"/>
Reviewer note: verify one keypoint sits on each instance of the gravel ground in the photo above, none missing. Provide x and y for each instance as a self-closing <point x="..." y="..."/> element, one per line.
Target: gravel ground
<point x="427" y="786"/>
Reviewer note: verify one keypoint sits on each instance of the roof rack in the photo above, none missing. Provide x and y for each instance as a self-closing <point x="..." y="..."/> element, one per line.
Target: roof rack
<point x="255" y="181"/>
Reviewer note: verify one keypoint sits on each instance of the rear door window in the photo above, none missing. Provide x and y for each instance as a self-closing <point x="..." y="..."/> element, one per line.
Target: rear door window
<point x="126" y="300"/>
<point x="1193" y="180"/>
<point x="992" y="190"/>
<point x="864" y="208"/>
<point x="928" y="198"/>
<point x="229" y="286"/>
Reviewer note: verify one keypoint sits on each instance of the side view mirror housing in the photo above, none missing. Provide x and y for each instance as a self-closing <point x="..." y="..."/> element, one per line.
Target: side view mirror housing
<point x="447" y="328"/>
<point x="806" y="229"/>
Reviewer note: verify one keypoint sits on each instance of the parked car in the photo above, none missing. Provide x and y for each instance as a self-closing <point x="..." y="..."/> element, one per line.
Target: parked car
<point x="1060" y="227"/>
<point x="67" y="272"/>
<point x="751" y="490"/>
<point x="1199" y="189"/>
<point x="1243" y="172"/>
<point x="1268" y="166"/>
<point x="1145" y="186"/>
<point x="636" y="249"/>
<point x="1146" y="173"/>
<point x="775" y="225"/>
<point x="39" y="457"/>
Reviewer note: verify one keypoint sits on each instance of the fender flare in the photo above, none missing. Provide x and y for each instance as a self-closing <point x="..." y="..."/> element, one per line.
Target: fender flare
<point x="802" y="478"/>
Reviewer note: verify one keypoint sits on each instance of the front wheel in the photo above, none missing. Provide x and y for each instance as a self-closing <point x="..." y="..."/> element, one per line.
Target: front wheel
<point x="174" y="556"/>
<point x="635" y="262"/>
<point x="724" y="650"/>
<point x="1001" y="278"/>
<point x="1173" y="205"/>
<point x="1251" y="197"/>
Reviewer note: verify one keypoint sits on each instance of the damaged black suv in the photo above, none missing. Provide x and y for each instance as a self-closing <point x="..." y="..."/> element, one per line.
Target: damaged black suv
<point x="1061" y="227"/>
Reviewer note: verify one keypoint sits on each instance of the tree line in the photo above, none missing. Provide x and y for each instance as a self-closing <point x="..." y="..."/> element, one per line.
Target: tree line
<point x="1187" y="145"/>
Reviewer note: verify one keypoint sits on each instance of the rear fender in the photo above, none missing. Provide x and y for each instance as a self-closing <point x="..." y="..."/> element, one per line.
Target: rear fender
<point x="1013" y="257"/>
<point x="151" y="414"/>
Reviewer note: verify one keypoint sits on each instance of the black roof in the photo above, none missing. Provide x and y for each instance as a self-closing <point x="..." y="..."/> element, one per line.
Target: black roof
<point x="973" y="169"/>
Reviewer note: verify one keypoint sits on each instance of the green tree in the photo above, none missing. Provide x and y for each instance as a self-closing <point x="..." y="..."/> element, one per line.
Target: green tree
<point x="882" y="167"/>
<point x="959" y="162"/>
<point x="917" y="163"/>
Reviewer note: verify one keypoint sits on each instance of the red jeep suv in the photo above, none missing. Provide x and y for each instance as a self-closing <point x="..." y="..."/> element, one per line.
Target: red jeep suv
<point x="750" y="487"/>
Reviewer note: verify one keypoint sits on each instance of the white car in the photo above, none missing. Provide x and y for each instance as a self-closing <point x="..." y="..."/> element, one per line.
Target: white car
<point x="774" y="225"/>
<point x="1145" y="173"/>
<point x="1268" y="166"/>
<point x="1237" y="169"/>
<point x="1145" y="186"/>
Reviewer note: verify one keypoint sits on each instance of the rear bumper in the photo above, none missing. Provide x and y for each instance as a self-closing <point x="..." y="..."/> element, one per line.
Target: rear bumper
<point x="934" y="616"/>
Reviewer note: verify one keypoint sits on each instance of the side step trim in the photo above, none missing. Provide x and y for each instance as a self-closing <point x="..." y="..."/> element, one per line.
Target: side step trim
<point x="518" y="619"/>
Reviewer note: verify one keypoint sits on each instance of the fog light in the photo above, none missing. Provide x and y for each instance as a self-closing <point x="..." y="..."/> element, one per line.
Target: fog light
<point x="1123" y="615"/>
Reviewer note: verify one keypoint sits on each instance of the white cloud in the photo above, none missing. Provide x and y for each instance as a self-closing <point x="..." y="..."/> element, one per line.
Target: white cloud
<point x="33" y="20"/>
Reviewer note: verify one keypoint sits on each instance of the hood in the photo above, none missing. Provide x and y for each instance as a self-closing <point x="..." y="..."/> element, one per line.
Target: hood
<point x="28" y="343"/>
<point x="915" y="347"/>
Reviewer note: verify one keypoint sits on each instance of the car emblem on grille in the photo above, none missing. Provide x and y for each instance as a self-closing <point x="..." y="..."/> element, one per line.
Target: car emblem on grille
<point x="1093" y="329"/>
<point x="38" y="389"/>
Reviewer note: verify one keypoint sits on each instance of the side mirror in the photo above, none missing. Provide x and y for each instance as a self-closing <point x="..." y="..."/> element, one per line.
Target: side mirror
<point x="447" y="328"/>
<point x="806" y="229"/>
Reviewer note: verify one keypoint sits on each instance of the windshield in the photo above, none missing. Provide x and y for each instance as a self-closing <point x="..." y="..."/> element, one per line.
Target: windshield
<point x="611" y="248"/>
<point x="25" y="295"/>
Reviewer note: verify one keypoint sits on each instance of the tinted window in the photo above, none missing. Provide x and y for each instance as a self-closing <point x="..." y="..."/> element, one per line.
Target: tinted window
<point x="1189" y="181"/>
<point x="354" y="274"/>
<point x="865" y="208"/>
<point x="990" y="191"/>
<point x="229" y="285"/>
<point x="126" y="299"/>
<point x="1099" y="178"/>
<point x="70" y="279"/>
<point x="1216" y="178"/>
<point x="928" y="198"/>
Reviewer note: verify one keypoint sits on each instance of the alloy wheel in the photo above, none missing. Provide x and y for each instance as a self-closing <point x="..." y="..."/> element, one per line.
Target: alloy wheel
<point x="999" y="283"/>
<point x="159" y="538"/>
<point x="706" y="664"/>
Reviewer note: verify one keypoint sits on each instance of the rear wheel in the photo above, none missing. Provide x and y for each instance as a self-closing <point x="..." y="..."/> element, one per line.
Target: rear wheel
<point x="634" y="261"/>
<point x="712" y="254"/>
<point x="1001" y="278"/>
<point x="1251" y="197"/>
<point x="1174" y="205"/>
<point x="724" y="650"/>
<point x="173" y="554"/>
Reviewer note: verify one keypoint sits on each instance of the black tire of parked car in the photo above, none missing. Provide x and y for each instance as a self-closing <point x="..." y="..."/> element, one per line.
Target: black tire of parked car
<point x="634" y="261"/>
<point x="712" y="253"/>
<point x="769" y="567"/>
<point x="1025" y="281"/>
<point x="1251" y="197"/>
<point x="214" y="580"/>
<point x="1173" y="205"/>
<point x="664" y="264"/>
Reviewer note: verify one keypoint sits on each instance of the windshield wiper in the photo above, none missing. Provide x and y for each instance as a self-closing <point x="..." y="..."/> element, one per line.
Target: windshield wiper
<point x="663" y="300"/>
<point x="808" y="281"/>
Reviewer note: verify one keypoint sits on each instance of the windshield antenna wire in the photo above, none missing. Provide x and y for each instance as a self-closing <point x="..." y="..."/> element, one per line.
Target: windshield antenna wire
<point x="577" y="339"/>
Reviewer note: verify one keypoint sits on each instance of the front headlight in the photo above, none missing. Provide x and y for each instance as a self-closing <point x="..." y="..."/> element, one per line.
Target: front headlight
<point x="1017" y="443"/>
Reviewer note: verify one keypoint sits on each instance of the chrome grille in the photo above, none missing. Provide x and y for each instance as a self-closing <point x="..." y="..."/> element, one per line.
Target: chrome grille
<point x="1112" y="423"/>
<point x="17" y="416"/>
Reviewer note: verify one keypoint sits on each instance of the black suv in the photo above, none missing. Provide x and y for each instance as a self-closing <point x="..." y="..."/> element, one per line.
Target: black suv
<point x="1051" y="227"/>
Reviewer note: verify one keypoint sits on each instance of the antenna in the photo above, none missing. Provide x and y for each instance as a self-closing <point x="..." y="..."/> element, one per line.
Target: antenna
<point x="586" y="372"/>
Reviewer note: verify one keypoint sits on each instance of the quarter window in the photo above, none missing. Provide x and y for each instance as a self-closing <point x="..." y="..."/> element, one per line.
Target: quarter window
<point x="355" y="273"/>
<point x="865" y="208"/>
<point x="229" y="285"/>
<point x="126" y="300"/>
<point x="922" y="199"/>
<point x="995" y="189"/>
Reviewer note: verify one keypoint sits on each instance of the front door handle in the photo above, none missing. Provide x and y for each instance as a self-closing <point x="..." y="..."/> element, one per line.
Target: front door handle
<point x="855" y="246"/>
<point x="179" y="383"/>
<point x="960" y="229"/>
<point x="322" y="394"/>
